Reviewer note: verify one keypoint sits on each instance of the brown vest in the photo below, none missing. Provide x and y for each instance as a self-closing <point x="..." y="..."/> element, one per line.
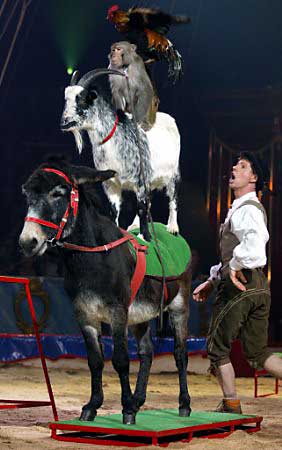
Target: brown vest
<point x="228" y="241"/>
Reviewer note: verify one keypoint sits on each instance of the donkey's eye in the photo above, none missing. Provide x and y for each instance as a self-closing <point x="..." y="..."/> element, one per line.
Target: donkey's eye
<point x="58" y="192"/>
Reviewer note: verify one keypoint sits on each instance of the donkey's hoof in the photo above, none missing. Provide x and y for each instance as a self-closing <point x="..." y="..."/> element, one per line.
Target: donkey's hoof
<point x="88" y="415"/>
<point x="184" y="412"/>
<point x="128" y="419"/>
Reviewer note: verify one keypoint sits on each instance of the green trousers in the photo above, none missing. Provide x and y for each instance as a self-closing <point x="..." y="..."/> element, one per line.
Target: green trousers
<point x="243" y="315"/>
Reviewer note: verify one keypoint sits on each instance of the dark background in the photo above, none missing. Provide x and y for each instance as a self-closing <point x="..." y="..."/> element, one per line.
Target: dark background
<point x="232" y="83"/>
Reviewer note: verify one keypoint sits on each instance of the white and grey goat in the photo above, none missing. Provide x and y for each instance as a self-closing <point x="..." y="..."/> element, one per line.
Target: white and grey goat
<point x="86" y="108"/>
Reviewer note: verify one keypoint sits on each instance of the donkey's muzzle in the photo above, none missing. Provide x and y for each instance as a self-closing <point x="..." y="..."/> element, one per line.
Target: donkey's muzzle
<point x="28" y="245"/>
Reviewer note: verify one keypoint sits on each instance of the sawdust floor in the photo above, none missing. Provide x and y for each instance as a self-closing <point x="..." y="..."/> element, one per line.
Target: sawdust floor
<point x="27" y="429"/>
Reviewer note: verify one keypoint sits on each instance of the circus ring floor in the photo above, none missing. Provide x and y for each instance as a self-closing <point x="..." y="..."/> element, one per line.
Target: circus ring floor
<point x="27" y="429"/>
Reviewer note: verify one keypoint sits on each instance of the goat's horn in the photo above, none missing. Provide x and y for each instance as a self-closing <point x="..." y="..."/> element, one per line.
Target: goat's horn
<point x="74" y="78"/>
<point x="90" y="76"/>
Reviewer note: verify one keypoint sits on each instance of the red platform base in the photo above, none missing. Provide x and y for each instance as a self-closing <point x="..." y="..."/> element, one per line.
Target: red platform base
<point x="153" y="428"/>
<point x="259" y="373"/>
<point x="14" y="404"/>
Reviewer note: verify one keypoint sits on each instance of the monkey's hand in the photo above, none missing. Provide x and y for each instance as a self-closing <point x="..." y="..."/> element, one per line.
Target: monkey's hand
<point x="156" y="40"/>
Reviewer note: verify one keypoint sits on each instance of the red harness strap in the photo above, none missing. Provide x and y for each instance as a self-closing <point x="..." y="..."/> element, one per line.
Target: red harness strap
<point x="58" y="172"/>
<point x="100" y="248"/>
<point x="140" y="250"/>
<point x="165" y="292"/>
<point x="74" y="191"/>
<point x="140" y="266"/>
<point x="74" y="198"/>
<point x="42" y="222"/>
<point x="51" y="224"/>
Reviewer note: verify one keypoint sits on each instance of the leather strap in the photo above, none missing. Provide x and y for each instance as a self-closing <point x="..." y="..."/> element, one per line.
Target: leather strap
<point x="140" y="267"/>
<point x="100" y="248"/>
<point x="45" y="223"/>
<point x="74" y="198"/>
<point x="111" y="132"/>
<point x="58" y="172"/>
<point x="140" y="250"/>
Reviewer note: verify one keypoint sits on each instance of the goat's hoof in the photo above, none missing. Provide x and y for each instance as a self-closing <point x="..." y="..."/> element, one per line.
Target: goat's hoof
<point x="147" y="237"/>
<point x="172" y="229"/>
<point x="184" y="412"/>
<point x="88" y="415"/>
<point x="133" y="226"/>
<point x="128" y="419"/>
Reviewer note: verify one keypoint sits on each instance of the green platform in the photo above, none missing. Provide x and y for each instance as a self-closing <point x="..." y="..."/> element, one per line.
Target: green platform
<point x="155" y="427"/>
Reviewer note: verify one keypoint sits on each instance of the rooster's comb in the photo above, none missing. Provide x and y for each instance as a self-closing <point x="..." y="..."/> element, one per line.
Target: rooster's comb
<point x="112" y="9"/>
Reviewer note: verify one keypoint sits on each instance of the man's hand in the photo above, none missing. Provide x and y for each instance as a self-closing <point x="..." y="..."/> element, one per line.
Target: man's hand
<point x="202" y="292"/>
<point x="237" y="277"/>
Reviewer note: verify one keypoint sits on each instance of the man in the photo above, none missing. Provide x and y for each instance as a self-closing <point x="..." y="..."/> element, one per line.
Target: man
<point x="242" y="303"/>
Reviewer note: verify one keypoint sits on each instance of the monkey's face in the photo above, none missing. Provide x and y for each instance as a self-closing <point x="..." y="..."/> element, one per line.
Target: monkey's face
<point x="122" y="54"/>
<point x="116" y="56"/>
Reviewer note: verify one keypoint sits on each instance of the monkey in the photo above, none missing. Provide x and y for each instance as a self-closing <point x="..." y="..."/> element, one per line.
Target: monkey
<point x="144" y="101"/>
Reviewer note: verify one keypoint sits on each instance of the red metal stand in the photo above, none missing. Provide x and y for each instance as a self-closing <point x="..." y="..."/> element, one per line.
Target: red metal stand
<point x="257" y="374"/>
<point x="12" y="404"/>
<point x="138" y="437"/>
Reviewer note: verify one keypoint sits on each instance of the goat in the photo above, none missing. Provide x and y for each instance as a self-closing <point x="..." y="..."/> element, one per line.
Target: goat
<point x="99" y="278"/>
<point x="115" y="144"/>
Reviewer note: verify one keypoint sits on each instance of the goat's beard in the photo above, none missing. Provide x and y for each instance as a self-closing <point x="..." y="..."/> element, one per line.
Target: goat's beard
<point x="78" y="140"/>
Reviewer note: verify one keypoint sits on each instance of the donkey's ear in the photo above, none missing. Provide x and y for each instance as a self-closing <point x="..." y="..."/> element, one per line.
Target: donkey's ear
<point x="87" y="175"/>
<point x="103" y="175"/>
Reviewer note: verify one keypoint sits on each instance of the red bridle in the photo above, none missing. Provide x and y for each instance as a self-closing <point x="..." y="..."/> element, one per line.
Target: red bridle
<point x="72" y="205"/>
<point x="140" y="267"/>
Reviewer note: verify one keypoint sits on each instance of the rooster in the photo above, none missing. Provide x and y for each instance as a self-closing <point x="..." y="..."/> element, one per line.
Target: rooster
<point x="147" y="27"/>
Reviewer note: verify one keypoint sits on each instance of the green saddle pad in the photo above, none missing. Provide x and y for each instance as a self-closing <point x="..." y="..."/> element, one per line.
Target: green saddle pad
<point x="175" y="252"/>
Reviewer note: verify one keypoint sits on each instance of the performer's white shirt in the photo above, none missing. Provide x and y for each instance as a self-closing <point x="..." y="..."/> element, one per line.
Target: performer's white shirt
<point x="247" y="223"/>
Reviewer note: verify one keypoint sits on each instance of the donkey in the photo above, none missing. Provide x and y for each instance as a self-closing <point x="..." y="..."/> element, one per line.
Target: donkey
<point x="65" y="210"/>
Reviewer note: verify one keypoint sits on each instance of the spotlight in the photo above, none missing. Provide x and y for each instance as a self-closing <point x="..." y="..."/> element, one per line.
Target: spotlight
<point x="70" y="70"/>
